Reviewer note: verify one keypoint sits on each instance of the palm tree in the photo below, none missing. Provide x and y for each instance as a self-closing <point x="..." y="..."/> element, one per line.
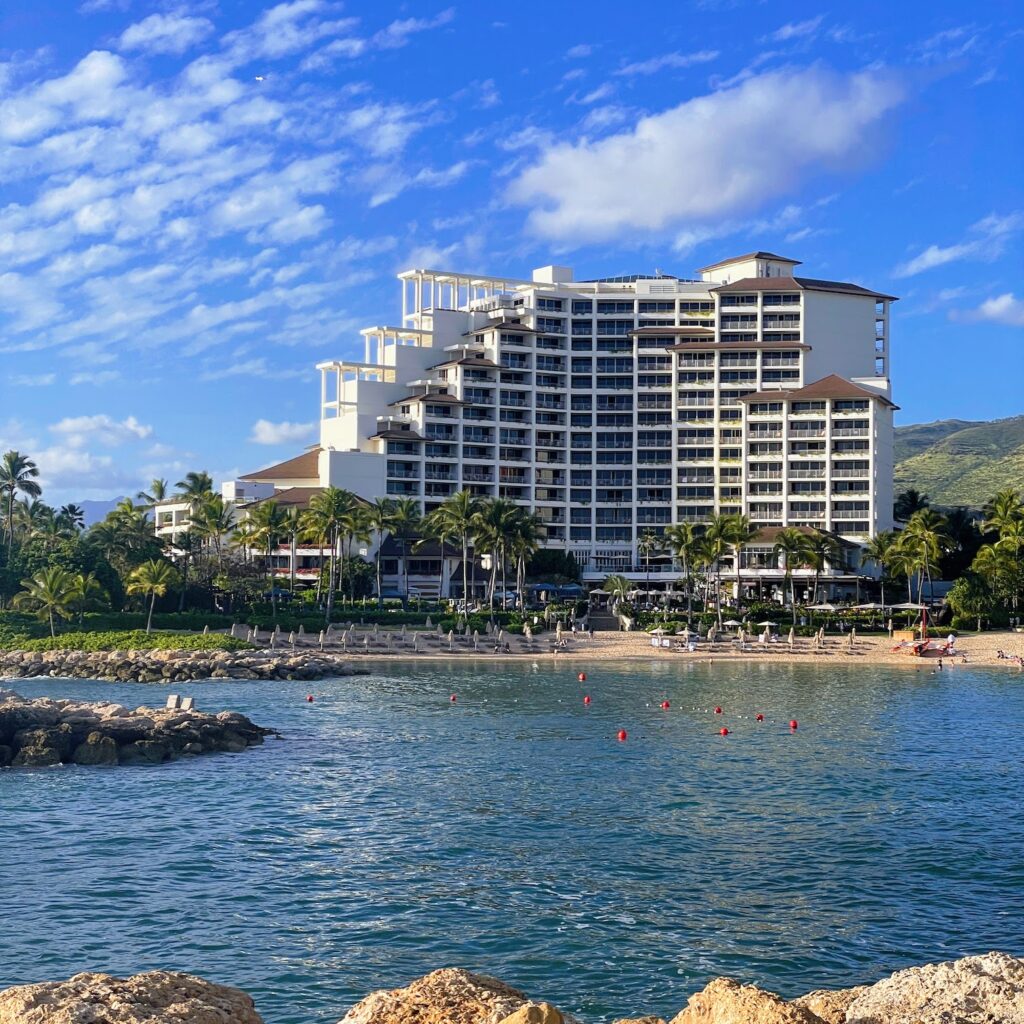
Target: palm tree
<point x="17" y="476"/>
<point x="213" y="519"/>
<point x="909" y="502"/>
<point x="647" y="544"/>
<point x="378" y="518"/>
<point x="405" y="525"/>
<point x="195" y="486"/>
<point x="457" y="516"/>
<point x="86" y="593"/>
<point x="353" y="526"/>
<point x="494" y="520"/>
<point x="152" y="579"/>
<point x="47" y="526"/>
<point x="903" y="559"/>
<point x="523" y="541"/>
<point x="793" y="546"/>
<point x="294" y="528"/>
<point x="682" y="539"/>
<point x="739" y="533"/>
<point x="1003" y="510"/>
<point x="717" y="541"/>
<point x="158" y="491"/>
<point x="926" y="529"/>
<point x="1011" y="542"/>
<point x="72" y="517"/>
<point x="268" y="526"/>
<point x="186" y="545"/>
<point x="617" y="586"/>
<point x="49" y="593"/>
<point x="822" y="549"/>
<point x="880" y="551"/>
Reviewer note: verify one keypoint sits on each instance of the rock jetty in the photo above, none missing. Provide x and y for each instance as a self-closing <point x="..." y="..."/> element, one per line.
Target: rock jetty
<point x="985" y="989"/>
<point x="173" y="666"/>
<point x="42" y="731"/>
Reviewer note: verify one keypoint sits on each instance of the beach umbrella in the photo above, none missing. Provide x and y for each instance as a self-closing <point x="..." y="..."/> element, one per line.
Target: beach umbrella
<point x="321" y="639"/>
<point x="451" y="639"/>
<point x="871" y="606"/>
<point x="429" y="624"/>
<point x="732" y="622"/>
<point x="388" y="640"/>
<point x="792" y="636"/>
<point x="711" y="634"/>
<point x="822" y="607"/>
<point x="908" y="606"/>
<point x="657" y="632"/>
<point x="291" y="639"/>
<point x="403" y="629"/>
<point x="684" y="632"/>
<point x="767" y="623"/>
<point x="558" y="630"/>
<point x="416" y="643"/>
<point x="302" y="630"/>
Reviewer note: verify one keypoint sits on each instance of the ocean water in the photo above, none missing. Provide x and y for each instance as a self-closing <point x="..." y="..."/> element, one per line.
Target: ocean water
<point x="391" y="832"/>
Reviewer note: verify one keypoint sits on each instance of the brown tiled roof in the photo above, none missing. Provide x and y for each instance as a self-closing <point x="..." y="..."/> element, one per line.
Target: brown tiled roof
<point x="750" y="256"/>
<point x="302" y="467"/>
<point x="292" y="497"/>
<point x="803" y="284"/>
<point x="769" y="534"/>
<point x="513" y="326"/>
<point x="738" y="346"/>
<point x="443" y="399"/>
<point x="832" y="386"/>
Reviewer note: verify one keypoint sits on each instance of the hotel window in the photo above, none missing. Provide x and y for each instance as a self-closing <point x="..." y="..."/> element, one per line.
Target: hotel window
<point x="582" y="306"/>
<point x="552" y="305"/>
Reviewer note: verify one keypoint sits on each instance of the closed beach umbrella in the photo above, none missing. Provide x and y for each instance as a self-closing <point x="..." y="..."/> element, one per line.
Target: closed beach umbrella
<point x="291" y="639"/>
<point x="429" y="624"/>
<point x="792" y="636"/>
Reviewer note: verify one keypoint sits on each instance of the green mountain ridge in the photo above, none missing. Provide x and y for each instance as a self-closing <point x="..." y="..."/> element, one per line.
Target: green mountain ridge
<point x="960" y="462"/>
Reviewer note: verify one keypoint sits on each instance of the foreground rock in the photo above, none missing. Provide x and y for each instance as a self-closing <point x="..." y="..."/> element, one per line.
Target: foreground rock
<point x="42" y="731"/>
<point x="448" y="996"/>
<point x="725" y="1001"/>
<point x="985" y="989"/>
<point x="159" y="997"/>
<point x="173" y="666"/>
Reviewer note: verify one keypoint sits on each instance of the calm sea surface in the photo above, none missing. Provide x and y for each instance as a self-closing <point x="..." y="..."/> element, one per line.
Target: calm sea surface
<point x="392" y="832"/>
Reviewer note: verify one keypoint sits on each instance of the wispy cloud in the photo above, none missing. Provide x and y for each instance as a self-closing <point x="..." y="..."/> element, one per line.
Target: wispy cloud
<point x="1002" y="309"/>
<point x="985" y="240"/>
<point x="797" y="30"/>
<point x="676" y="60"/>
<point x="165" y="33"/>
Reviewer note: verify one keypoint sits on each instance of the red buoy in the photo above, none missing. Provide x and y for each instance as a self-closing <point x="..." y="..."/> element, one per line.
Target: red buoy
<point x="309" y="698"/>
<point x="760" y="718"/>
<point x="622" y="734"/>
<point x="452" y="698"/>
<point x="665" y="705"/>
<point x="723" y="732"/>
<point x="793" y="723"/>
<point x="582" y="677"/>
<point x="718" y="711"/>
<point x="586" y="699"/>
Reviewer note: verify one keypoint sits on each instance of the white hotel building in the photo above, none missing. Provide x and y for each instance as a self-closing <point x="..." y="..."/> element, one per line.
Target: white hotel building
<point x="614" y="406"/>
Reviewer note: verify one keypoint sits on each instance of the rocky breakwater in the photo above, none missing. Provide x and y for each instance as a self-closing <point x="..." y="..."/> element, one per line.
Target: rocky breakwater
<point x="985" y="989"/>
<point x="172" y="666"/>
<point x="42" y="731"/>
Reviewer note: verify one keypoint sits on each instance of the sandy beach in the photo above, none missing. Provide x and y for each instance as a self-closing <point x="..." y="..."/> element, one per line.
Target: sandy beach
<point x="980" y="648"/>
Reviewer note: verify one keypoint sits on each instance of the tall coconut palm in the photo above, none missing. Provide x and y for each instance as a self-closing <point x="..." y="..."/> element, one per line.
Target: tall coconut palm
<point x="1003" y="510"/>
<point x="647" y="544"/>
<point x="523" y="541"/>
<point x="617" y="586"/>
<point x="268" y="522"/>
<point x="822" y="550"/>
<point x="792" y="545"/>
<point x="195" y="486"/>
<point x="457" y="516"/>
<point x="908" y="502"/>
<point x="72" y="517"/>
<point x="354" y="526"/>
<point x="18" y="475"/>
<point x="86" y="594"/>
<point x="682" y="540"/>
<point x="1011" y="541"/>
<point x="405" y="525"/>
<point x="213" y="519"/>
<point x="493" y="522"/>
<point x="879" y="550"/>
<point x="718" y="540"/>
<point x="739" y="533"/>
<point x="294" y="529"/>
<point x="158" y="491"/>
<point x="378" y="517"/>
<point x="152" y="579"/>
<point x="927" y="530"/>
<point x="49" y="593"/>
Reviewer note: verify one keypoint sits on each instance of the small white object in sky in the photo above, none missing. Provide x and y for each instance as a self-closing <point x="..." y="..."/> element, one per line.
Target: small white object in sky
<point x="260" y="78"/>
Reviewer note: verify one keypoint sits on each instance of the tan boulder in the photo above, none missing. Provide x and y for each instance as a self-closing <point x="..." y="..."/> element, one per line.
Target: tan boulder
<point x="649" y="1019"/>
<point x="725" y="1001"/>
<point x="160" y="997"/>
<point x="448" y="996"/>
<point x="985" y="989"/>
<point x="535" y="1013"/>
<point x="830" y="1004"/>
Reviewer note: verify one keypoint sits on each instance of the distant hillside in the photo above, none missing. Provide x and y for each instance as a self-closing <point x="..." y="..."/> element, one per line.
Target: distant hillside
<point x="956" y="462"/>
<point x="97" y="510"/>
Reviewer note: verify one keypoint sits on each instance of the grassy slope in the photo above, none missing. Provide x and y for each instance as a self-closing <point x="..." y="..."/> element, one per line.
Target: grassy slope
<point x="964" y="463"/>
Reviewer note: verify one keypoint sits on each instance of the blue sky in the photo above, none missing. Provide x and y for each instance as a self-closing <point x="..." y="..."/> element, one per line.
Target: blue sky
<point x="201" y="200"/>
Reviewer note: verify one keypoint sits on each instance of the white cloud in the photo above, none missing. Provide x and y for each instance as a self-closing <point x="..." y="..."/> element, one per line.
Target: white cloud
<point x="32" y="380"/>
<point x="265" y="432"/>
<point x="165" y="33"/>
<point x="986" y="240"/>
<point x="77" y="431"/>
<point x="578" y="51"/>
<point x="398" y="32"/>
<point x="1003" y="309"/>
<point x="668" y="60"/>
<point x="710" y="157"/>
<point x="96" y="378"/>
<point x="797" y="29"/>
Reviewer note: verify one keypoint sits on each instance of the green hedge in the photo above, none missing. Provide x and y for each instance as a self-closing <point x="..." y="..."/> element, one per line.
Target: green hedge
<point x="136" y="640"/>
